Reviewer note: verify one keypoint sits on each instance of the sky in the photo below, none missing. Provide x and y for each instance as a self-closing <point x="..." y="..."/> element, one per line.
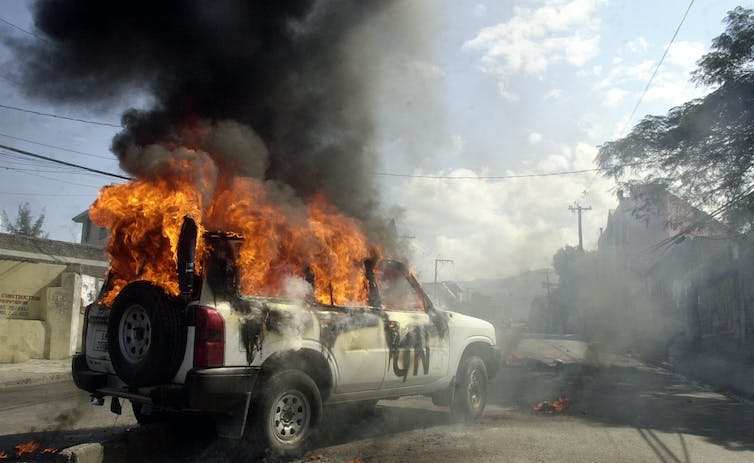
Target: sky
<point x="500" y="89"/>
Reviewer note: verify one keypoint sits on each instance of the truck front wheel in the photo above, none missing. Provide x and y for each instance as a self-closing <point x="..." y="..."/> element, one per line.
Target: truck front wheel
<point x="470" y="392"/>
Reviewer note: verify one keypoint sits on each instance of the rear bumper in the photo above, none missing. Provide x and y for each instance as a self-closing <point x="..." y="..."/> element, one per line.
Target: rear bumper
<point x="213" y="390"/>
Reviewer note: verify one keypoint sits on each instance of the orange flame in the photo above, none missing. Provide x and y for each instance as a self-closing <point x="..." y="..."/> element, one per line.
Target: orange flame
<point x="558" y="406"/>
<point x="48" y="451"/>
<point x="3" y="455"/>
<point x="27" y="448"/>
<point x="515" y="360"/>
<point x="282" y="237"/>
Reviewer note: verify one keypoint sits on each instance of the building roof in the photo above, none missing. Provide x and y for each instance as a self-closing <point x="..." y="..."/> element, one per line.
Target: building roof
<point x="27" y="249"/>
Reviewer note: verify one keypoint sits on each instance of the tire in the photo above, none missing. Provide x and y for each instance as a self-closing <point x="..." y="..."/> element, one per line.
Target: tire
<point x="147" y="335"/>
<point x="470" y="392"/>
<point x="286" y="413"/>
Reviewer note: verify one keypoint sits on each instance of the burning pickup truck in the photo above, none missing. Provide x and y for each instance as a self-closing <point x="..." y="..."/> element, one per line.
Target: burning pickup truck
<point x="263" y="367"/>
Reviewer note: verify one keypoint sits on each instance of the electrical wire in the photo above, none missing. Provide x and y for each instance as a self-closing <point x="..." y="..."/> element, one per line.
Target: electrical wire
<point x="65" y="195"/>
<point x="55" y="147"/>
<point x="505" y="177"/>
<point x="484" y="177"/>
<point x="52" y="179"/>
<point x="40" y="113"/>
<point x="657" y="68"/>
<point x="24" y="30"/>
<point x="70" y="164"/>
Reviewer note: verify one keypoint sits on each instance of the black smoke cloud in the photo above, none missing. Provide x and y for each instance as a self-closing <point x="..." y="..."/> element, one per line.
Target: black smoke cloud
<point x="288" y="70"/>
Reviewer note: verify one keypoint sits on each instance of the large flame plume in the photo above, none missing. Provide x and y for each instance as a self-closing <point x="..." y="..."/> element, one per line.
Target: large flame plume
<point x="283" y="236"/>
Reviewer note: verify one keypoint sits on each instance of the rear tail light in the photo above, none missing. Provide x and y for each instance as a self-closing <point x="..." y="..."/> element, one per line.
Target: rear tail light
<point x="209" y="340"/>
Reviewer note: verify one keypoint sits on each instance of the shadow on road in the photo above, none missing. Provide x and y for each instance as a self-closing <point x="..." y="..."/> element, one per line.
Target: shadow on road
<point x="643" y="397"/>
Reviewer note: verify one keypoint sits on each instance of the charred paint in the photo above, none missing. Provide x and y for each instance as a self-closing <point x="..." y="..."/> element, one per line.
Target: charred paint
<point x="333" y="324"/>
<point x="414" y="343"/>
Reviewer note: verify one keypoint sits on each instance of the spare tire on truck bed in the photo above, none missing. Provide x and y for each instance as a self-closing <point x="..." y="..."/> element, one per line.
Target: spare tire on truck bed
<point x="147" y="335"/>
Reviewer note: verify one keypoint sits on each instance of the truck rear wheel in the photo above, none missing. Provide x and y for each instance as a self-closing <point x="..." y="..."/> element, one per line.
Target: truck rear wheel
<point x="286" y="413"/>
<point x="146" y="335"/>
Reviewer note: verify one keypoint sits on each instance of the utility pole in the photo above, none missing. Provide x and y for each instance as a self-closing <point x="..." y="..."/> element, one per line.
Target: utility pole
<point x="578" y="209"/>
<point x="439" y="261"/>
<point x="547" y="285"/>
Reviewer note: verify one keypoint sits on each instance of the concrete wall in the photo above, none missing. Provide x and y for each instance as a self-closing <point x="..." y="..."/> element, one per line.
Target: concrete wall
<point x="21" y="340"/>
<point x="22" y="286"/>
<point x="61" y="315"/>
<point x="40" y="311"/>
<point x="44" y="287"/>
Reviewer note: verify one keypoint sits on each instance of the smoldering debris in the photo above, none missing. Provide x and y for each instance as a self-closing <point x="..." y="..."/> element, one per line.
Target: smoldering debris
<point x="67" y="418"/>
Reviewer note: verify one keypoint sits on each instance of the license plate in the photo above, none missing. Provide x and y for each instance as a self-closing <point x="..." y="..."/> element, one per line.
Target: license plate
<point x="100" y="340"/>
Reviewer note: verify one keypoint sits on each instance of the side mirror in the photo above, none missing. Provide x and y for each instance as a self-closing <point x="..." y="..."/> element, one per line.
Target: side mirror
<point x="186" y="256"/>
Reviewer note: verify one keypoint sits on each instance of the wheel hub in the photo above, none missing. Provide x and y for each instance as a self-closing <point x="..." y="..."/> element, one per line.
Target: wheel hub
<point x="135" y="334"/>
<point x="475" y="390"/>
<point x="290" y="417"/>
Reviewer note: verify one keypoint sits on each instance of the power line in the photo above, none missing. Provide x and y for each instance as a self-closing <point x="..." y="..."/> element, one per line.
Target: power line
<point x="15" y="193"/>
<point x="659" y="63"/>
<point x="23" y="30"/>
<point x="487" y="177"/>
<point x="53" y="146"/>
<point x="505" y="177"/>
<point x="39" y="113"/>
<point x="52" y="179"/>
<point x="69" y="164"/>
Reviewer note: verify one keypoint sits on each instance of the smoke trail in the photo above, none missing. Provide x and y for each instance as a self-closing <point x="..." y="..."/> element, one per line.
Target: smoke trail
<point x="277" y="85"/>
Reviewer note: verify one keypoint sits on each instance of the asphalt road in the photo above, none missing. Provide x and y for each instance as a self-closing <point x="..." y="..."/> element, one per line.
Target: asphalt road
<point x="622" y="410"/>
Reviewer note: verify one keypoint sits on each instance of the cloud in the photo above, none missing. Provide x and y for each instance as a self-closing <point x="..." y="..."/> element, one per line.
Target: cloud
<point x="498" y="228"/>
<point x="614" y="96"/>
<point x="534" y="138"/>
<point x="554" y="94"/>
<point x="670" y="86"/>
<point x="638" y="45"/>
<point x="479" y="10"/>
<point x="533" y="39"/>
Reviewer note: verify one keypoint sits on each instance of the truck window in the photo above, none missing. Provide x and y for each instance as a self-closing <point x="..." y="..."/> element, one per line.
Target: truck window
<point x="397" y="293"/>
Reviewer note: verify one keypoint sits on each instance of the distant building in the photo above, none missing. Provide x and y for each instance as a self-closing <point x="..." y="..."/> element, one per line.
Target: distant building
<point x="91" y="234"/>
<point x="693" y="269"/>
<point x="652" y="216"/>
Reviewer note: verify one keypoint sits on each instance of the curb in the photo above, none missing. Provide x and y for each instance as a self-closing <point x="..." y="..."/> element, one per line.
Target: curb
<point x="136" y="445"/>
<point x="32" y="380"/>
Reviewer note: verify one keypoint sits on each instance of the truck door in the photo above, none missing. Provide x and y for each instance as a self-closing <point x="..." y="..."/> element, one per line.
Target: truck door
<point x="416" y="334"/>
<point x="355" y="336"/>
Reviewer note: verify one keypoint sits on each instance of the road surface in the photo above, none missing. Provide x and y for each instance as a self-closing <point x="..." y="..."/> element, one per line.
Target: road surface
<point x="622" y="410"/>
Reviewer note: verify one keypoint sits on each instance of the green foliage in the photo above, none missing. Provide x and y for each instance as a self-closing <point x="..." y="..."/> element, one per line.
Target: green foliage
<point x="25" y="224"/>
<point x="703" y="150"/>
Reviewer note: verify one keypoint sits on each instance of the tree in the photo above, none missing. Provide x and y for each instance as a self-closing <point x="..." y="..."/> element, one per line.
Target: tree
<point x="25" y="224"/>
<point x="703" y="150"/>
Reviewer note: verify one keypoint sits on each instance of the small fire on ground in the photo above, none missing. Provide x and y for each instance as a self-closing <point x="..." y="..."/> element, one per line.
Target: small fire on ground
<point x="558" y="406"/>
<point x="28" y="448"/>
<point x="515" y="360"/>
